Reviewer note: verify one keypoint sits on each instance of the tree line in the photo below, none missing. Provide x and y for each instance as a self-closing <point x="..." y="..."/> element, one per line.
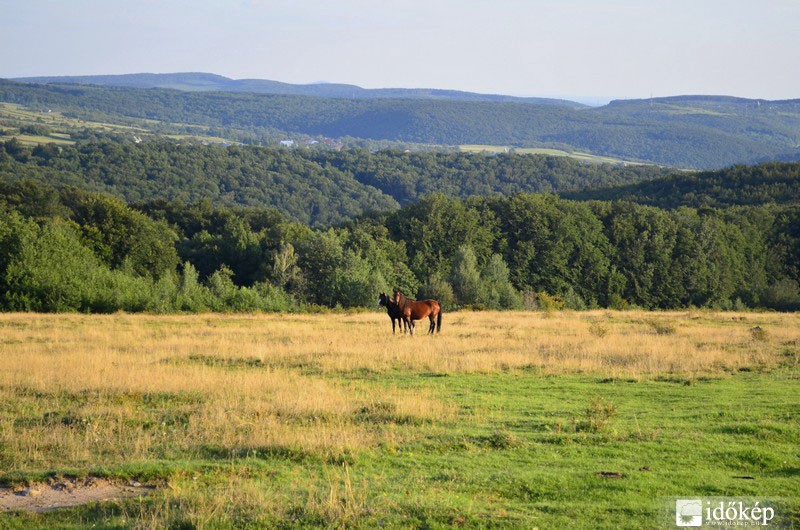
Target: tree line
<point x="769" y="182"/>
<point x="67" y="249"/>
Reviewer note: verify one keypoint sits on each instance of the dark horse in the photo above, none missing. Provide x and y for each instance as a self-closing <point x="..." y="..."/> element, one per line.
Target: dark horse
<point x="413" y="310"/>
<point x="393" y="310"/>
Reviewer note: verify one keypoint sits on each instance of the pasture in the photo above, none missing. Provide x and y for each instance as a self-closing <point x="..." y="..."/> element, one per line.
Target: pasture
<point x="12" y="116"/>
<point x="577" y="155"/>
<point x="505" y="419"/>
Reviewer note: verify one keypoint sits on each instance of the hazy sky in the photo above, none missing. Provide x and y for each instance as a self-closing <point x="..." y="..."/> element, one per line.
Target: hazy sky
<point x="570" y="48"/>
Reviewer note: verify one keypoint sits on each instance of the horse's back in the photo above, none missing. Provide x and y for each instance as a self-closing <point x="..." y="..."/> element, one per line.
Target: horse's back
<point x="433" y="304"/>
<point x="424" y="308"/>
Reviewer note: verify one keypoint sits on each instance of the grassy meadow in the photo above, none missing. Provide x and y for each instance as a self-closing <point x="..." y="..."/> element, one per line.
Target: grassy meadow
<point x="12" y="116"/>
<point x="506" y="419"/>
<point x="577" y="155"/>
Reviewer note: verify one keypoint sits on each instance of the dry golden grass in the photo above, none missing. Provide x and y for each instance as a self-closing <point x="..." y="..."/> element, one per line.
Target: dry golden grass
<point x="81" y="390"/>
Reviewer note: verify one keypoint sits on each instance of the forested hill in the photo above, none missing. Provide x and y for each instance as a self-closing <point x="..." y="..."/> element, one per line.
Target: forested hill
<point x="204" y="82"/>
<point x="685" y="132"/>
<point x="314" y="187"/>
<point x="774" y="182"/>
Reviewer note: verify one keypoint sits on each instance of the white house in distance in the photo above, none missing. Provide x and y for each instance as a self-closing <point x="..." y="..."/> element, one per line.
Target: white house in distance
<point x="287" y="143"/>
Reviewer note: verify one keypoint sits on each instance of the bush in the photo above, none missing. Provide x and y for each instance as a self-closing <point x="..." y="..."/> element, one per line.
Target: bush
<point x="191" y="295"/>
<point x="615" y="301"/>
<point x="48" y="269"/>
<point x="783" y="295"/>
<point x="573" y="300"/>
<point x="661" y="328"/>
<point x="759" y="334"/>
<point x="598" y="414"/>
<point x="597" y="328"/>
<point x="534" y="301"/>
<point x="273" y="299"/>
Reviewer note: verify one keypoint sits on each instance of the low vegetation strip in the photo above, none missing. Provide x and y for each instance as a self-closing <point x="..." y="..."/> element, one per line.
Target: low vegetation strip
<point x="514" y="419"/>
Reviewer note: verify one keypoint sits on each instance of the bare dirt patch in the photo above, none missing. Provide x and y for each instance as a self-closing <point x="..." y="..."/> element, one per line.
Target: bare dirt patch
<point x="67" y="492"/>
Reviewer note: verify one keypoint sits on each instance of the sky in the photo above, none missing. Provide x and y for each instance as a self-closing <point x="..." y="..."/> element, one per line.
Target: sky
<point x="577" y="49"/>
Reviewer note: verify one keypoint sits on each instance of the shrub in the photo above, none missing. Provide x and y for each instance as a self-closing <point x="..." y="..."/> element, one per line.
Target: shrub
<point x="783" y="295"/>
<point x="759" y="334"/>
<point x="598" y="414"/>
<point x="597" y="328"/>
<point x="542" y="301"/>
<point x="660" y="327"/>
<point x="615" y="301"/>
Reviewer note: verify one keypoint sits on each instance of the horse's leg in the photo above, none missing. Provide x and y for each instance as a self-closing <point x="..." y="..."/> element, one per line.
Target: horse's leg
<point x="392" y="325"/>
<point x="432" y="327"/>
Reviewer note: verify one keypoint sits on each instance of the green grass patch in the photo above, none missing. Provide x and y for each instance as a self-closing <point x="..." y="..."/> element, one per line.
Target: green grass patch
<point x="585" y="157"/>
<point x="13" y="116"/>
<point x="524" y="451"/>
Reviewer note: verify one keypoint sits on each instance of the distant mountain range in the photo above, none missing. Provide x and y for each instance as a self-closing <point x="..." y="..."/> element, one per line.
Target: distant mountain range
<point x="697" y="132"/>
<point x="204" y="82"/>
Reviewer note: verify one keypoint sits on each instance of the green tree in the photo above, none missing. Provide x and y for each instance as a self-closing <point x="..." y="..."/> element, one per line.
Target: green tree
<point x="285" y="272"/>
<point x="435" y="227"/>
<point x="496" y="290"/>
<point x="118" y="234"/>
<point x="439" y="289"/>
<point x="644" y="240"/>
<point x="466" y="277"/>
<point x="192" y="296"/>
<point x="555" y="246"/>
<point x="321" y="258"/>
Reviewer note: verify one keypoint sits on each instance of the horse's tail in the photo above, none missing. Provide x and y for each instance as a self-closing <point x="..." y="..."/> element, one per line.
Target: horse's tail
<point x="439" y="320"/>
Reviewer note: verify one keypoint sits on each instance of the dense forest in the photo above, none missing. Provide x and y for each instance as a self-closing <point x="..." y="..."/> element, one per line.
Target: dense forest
<point x="687" y="132"/>
<point x="772" y="182"/>
<point x="167" y="226"/>
<point x="313" y="187"/>
<point x="66" y="249"/>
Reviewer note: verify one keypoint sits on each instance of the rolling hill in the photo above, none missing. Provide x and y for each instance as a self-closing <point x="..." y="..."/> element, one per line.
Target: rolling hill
<point x="773" y="182"/>
<point x="699" y="132"/>
<point x="314" y="187"/>
<point x="204" y="82"/>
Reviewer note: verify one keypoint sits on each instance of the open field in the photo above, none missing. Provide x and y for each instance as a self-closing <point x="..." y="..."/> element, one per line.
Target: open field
<point x="551" y="420"/>
<point x="13" y="116"/>
<point x="585" y="157"/>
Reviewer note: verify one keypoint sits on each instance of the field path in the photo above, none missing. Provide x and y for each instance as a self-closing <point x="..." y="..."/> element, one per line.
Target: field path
<point x="67" y="493"/>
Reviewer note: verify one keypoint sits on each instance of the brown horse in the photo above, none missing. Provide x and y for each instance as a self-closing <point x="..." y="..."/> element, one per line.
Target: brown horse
<point x="413" y="310"/>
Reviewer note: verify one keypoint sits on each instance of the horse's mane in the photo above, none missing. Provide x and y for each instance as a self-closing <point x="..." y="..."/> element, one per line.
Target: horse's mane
<point x="401" y="300"/>
<point x="392" y="307"/>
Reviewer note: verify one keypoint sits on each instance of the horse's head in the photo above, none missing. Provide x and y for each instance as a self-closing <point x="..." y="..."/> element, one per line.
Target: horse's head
<point x="397" y="296"/>
<point x="383" y="300"/>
